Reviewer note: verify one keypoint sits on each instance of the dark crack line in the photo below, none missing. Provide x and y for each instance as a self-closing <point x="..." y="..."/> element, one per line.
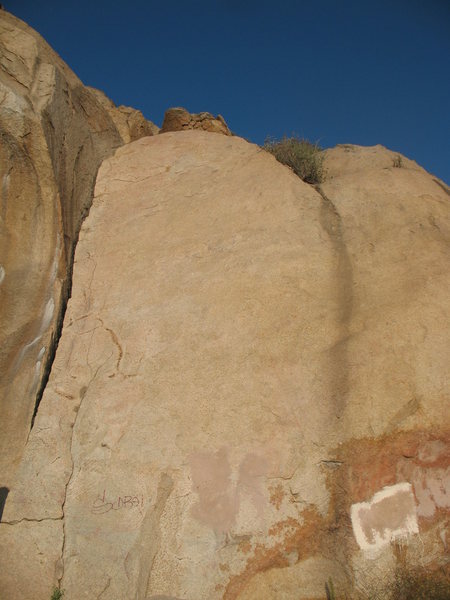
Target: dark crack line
<point x="105" y="588"/>
<point x="331" y="222"/>
<point x="16" y="522"/>
<point x="69" y="480"/>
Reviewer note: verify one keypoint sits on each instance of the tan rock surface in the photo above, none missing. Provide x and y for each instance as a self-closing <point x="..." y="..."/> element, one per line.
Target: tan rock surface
<point x="243" y="360"/>
<point x="54" y="136"/>
<point x="130" y="123"/>
<point x="394" y="225"/>
<point x="179" y="119"/>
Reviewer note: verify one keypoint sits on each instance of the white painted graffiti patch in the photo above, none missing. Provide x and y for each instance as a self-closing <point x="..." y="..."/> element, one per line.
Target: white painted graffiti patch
<point x="391" y="514"/>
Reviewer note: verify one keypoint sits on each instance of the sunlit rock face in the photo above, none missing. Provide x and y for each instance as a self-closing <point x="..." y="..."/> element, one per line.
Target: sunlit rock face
<point x="54" y="135"/>
<point x="131" y="123"/>
<point x="248" y="397"/>
<point x="179" y="119"/>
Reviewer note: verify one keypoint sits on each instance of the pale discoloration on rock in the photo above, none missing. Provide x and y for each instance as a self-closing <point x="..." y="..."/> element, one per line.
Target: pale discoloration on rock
<point x="217" y="506"/>
<point x="391" y="514"/>
<point x="220" y="498"/>
<point x="432" y="489"/>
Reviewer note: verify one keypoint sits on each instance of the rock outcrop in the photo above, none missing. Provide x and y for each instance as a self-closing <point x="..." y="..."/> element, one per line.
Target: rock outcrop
<point x="247" y="396"/>
<point x="179" y="119"/>
<point x="55" y="133"/>
<point x="130" y="123"/>
<point x="249" y="393"/>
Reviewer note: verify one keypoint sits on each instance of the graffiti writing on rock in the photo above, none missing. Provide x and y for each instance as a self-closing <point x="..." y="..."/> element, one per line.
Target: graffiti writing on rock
<point x="101" y="505"/>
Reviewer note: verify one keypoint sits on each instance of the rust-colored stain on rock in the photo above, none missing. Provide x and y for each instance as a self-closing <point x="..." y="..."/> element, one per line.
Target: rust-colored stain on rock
<point x="277" y="495"/>
<point x="420" y="459"/>
<point x="368" y="466"/>
<point x="374" y="464"/>
<point x="301" y="537"/>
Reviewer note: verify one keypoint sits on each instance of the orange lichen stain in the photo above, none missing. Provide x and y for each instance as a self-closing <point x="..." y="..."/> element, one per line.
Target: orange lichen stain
<point x="283" y="526"/>
<point x="245" y="546"/>
<point x="277" y="495"/>
<point x="367" y="465"/>
<point x="304" y="538"/>
<point x="373" y="464"/>
<point x="421" y="458"/>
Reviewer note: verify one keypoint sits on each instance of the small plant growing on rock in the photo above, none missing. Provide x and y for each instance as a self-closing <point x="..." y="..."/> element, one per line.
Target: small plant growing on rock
<point x="329" y="589"/>
<point x="57" y="594"/>
<point x="303" y="157"/>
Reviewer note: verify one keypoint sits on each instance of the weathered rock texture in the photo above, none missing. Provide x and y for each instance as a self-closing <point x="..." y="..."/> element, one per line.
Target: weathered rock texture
<point x="179" y="119"/>
<point x="54" y="135"/>
<point x="131" y="123"/>
<point x="249" y="393"/>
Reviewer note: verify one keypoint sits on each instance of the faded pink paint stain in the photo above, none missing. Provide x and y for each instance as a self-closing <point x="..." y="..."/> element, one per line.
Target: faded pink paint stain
<point x="429" y="475"/>
<point x="431" y="488"/>
<point x="251" y="471"/>
<point x="217" y="505"/>
<point x="218" y="497"/>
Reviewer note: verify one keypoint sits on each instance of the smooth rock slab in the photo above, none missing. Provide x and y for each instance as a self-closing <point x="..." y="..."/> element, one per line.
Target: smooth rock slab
<point x="197" y="435"/>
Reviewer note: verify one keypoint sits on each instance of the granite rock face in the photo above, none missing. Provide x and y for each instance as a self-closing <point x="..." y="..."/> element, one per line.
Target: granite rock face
<point x="131" y="123"/>
<point x="248" y="397"/>
<point x="54" y="135"/>
<point x="179" y="119"/>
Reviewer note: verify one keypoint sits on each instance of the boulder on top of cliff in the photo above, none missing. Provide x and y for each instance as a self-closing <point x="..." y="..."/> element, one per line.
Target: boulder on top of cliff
<point x="179" y="119"/>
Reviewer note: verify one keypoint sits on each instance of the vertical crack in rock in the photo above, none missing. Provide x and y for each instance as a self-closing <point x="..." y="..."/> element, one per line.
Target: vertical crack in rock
<point x="331" y="221"/>
<point x="66" y="292"/>
<point x="141" y="557"/>
<point x="76" y="149"/>
<point x="4" y="491"/>
<point x="69" y="479"/>
<point x="65" y="295"/>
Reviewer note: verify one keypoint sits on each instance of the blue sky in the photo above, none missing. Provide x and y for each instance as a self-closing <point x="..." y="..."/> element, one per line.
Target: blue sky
<point x="333" y="71"/>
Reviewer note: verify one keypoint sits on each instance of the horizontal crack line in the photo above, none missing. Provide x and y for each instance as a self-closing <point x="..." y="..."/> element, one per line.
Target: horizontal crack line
<point x="17" y="521"/>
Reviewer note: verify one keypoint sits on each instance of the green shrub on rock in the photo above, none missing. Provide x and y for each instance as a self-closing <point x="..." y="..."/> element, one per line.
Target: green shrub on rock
<point x="57" y="594"/>
<point x="303" y="157"/>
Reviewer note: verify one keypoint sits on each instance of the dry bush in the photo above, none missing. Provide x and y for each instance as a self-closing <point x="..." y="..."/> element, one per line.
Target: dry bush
<point x="303" y="157"/>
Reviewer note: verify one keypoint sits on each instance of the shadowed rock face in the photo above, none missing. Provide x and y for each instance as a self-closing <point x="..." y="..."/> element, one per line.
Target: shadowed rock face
<point x="247" y="363"/>
<point x="55" y="133"/>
